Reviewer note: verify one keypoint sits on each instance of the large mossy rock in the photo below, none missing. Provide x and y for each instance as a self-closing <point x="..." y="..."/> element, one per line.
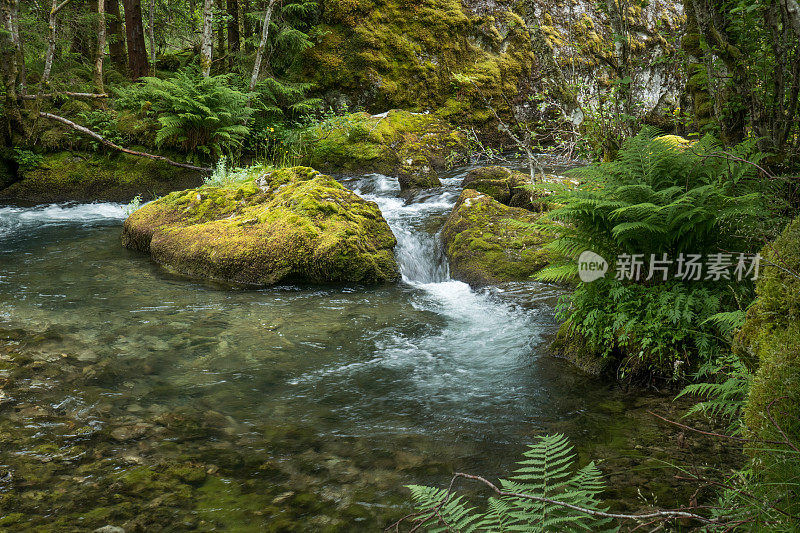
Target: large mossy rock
<point x="78" y="177"/>
<point x="770" y="339"/>
<point x="288" y="225"/>
<point x="488" y="242"/>
<point x="413" y="146"/>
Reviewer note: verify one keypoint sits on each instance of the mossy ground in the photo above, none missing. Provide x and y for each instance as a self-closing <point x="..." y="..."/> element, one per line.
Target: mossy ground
<point x="488" y="242"/>
<point x="284" y="225"/>
<point x="91" y="177"/>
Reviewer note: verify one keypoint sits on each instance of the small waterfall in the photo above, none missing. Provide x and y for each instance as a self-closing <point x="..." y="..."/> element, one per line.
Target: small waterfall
<point x="419" y="255"/>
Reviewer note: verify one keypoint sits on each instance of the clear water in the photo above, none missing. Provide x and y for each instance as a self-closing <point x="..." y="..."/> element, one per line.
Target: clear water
<point x="346" y="393"/>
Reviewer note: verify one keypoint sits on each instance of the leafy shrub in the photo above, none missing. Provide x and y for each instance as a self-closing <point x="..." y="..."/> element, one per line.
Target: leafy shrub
<point x="661" y="196"/>
<point x="548" y="471"/>
<point x="26" y="159"/>
<point x="197" y="114"/>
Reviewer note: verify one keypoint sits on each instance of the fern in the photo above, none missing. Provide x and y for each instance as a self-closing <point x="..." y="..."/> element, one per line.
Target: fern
<point x="657" y="199"/>
<point x="197" y="114"/>
<point x="547" y="471"/>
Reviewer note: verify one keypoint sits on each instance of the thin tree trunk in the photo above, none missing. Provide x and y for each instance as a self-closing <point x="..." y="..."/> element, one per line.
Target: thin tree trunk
<point x="233" y="30"/>
<point x="152" y="35"/>
<point x="101" y="46"/>
<point x="221" y="48"/>
<point x="134" y="33"/>
<point x="51" y="42"/>
<point x="116" y="40"/>
<point x="17" y="40"/>
<point x="11" y="118"/>
<point x="240" y="33"/>
<point x="207" y="44"/>
<point x="262" y="45"/>
<point x="246" y="27"/>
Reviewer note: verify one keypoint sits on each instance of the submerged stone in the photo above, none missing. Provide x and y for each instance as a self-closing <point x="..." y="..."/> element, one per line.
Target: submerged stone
<point x="287" y="225"/>
<point x="488" y="242"/>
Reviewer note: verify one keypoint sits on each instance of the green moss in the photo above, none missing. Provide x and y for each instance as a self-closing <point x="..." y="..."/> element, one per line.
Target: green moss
<point x="401" y="54"/>
<point x="770" y="338"/>
<point x="488" y="242"/>
<point x="90" y="177"/>
<point x="413" y="146"/>
<point x="290" y="224"/>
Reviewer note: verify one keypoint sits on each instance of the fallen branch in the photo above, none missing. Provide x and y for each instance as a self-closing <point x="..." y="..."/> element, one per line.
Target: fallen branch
<point x="65" y="93"/>
<point x="106" y="142"/>
<point x="668" y="514"/>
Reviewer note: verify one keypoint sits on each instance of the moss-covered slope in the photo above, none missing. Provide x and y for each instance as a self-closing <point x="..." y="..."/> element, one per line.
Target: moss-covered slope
<point x="413" y="146"/>
<point x="488" y="242"/>
<point x="285" y="225"/>
<point x="771" y="339"/>
<point x="69" y="176"/>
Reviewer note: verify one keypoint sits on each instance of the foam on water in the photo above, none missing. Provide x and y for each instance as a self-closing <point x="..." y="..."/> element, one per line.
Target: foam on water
<point x="16" y="219"/>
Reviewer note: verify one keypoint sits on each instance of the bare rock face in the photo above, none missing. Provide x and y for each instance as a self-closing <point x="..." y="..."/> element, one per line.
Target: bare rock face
<point x="288" y="225"/>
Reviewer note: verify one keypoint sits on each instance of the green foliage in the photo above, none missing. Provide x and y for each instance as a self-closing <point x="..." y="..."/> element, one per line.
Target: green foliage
<point x="196" y="113"/>
<point x="725" y="395"/>
<point x="224" y="176"/>
<point x="547" y="472"/>
<point x="661" y="196"/>
<point x="26" y="159"/>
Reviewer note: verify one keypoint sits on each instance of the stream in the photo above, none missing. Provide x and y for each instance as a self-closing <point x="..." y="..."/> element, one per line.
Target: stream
<point x="131" y="396"/>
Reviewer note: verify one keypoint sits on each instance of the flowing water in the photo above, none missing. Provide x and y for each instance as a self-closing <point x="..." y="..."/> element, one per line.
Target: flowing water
<point x="131" y="396"/>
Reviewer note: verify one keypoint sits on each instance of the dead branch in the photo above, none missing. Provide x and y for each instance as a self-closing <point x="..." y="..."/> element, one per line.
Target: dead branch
<point x="712" y="434"/>
<point x="668" y="514"/>
<point x="65" y="93"/>
<point x="106" y="142"/>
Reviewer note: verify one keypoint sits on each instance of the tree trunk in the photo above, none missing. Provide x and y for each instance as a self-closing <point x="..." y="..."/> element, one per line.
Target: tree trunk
<point x="51" y="45"/>
<point x="11" y="118"/>
<point x="233" y="29"/>
<point x="222" y="52"/>
<point x="134" y="33"/>
<point x="116" y="41"/>
<point x="101" y="46"/>
<point x="152" y="34"/>
<point x="17" y="40"/>
<point x="792" y="8"/>
<point x="262" y="45"/>
<point x="208" y="27"/>
<point x="245" y="25"/>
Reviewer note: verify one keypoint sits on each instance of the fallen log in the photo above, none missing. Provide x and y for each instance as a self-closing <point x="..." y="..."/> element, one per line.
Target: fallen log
<point x="64" y="93"/>
<point x="106" y="142"/>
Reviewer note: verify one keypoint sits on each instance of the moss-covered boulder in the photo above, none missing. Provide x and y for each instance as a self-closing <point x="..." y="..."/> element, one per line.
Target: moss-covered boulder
<point x="488" y="242"/>
<point x="770" y="339"/>
<point x="288" y="225"/>
<point x="514" y="188"/>
<point x="413" y="146"/>
<point x="509" y="187"/>
<point x="80" y="177"/>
